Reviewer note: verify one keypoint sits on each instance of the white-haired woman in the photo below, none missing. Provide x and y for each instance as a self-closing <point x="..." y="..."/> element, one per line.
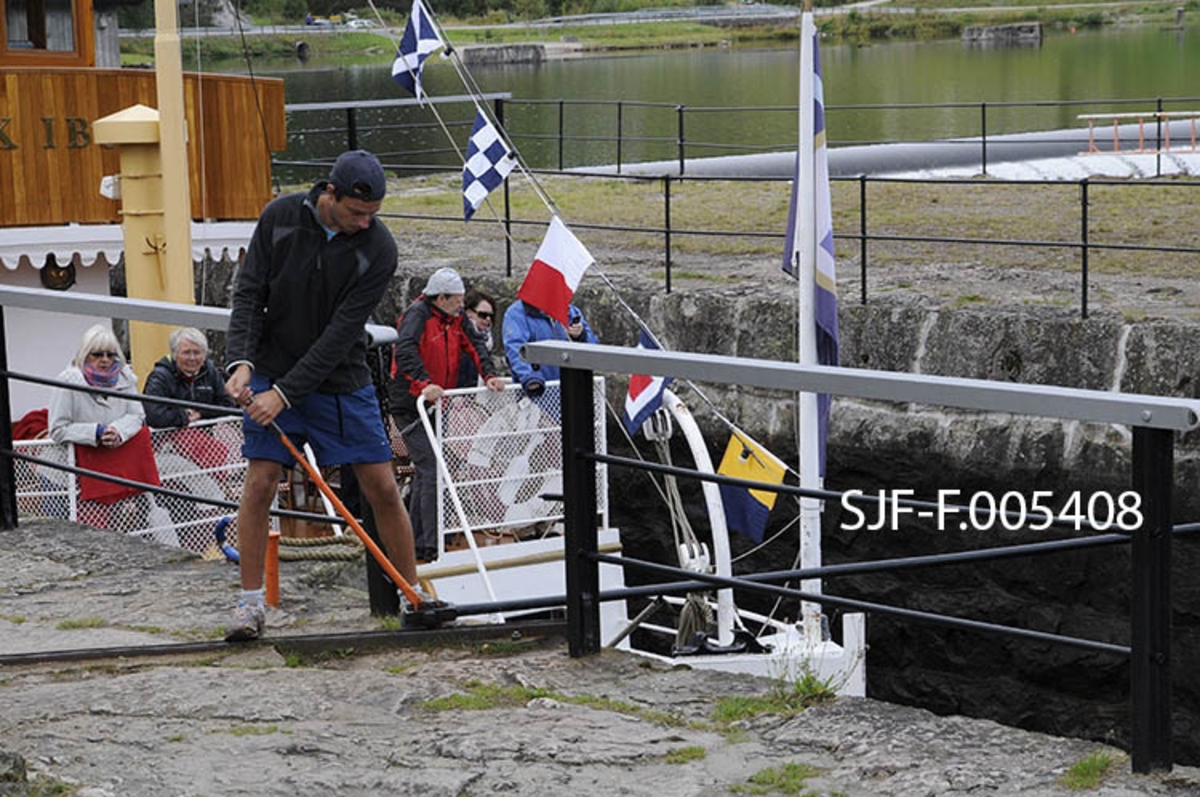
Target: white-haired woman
<point x="186" y="374"/>
<point x="91" y="419"/>
<point x="109" y="432"/>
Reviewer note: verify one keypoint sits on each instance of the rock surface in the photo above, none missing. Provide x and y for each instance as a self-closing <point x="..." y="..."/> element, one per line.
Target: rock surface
<point x="251" y="720"/>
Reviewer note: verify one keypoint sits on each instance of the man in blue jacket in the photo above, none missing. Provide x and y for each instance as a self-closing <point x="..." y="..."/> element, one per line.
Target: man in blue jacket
<point x="317" y="265"/>
<point x="524" y="323"/>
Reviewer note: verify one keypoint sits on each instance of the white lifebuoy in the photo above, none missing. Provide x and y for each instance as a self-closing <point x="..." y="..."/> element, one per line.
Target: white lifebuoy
<point x="516" y="426"/>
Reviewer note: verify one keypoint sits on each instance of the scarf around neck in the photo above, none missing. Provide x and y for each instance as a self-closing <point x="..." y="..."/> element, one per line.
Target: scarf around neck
<point x="485" y="334"/>
<point x="98" y="377"/>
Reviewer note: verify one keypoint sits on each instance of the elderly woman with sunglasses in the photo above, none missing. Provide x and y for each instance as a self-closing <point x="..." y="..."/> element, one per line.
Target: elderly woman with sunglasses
<point x="92" y="419"/>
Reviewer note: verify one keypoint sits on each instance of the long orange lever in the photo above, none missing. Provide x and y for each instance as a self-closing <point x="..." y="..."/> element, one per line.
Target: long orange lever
<point x="413" y="597"/>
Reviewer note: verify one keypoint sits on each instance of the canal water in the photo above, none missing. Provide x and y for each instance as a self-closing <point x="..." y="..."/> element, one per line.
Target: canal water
<point x="1087" y="68"/>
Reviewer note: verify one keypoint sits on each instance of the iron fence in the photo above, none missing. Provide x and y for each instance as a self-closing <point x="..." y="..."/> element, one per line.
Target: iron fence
<point x="1149" y="535"/>
<point x="1083" y="244"/>
<point x="582" y="134"/>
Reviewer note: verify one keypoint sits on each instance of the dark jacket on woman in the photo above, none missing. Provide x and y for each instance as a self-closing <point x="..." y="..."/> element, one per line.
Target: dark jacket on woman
<point x="166" y="380"/>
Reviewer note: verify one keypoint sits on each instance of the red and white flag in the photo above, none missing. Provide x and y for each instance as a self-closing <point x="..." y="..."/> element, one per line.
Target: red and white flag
<point x="556" y="272"/>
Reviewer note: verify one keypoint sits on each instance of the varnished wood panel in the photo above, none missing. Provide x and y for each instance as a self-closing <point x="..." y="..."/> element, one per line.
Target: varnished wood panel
<point x="50" y="174"/>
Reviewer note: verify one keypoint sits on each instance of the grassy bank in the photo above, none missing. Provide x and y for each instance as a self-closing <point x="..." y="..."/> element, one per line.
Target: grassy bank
<point x="860" y="27"/>
<point x="1121" y="214"/>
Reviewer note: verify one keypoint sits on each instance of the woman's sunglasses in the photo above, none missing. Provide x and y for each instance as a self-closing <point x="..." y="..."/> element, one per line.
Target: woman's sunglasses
<point x="112" y="355"/>
<point x="488" y="315"/>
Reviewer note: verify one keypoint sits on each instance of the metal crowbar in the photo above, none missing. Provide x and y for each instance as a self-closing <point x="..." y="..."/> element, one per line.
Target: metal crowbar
<point x="427" y="613"/>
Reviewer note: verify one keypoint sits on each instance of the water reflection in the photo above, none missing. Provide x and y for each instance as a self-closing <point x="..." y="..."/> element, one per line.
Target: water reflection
<point x="1110" y="65"/>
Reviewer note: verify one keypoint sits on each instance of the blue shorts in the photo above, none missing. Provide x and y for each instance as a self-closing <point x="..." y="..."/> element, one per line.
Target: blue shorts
<point x="342" y="428"/>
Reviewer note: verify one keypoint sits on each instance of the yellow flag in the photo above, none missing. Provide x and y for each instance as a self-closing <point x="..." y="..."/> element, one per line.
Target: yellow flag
<point x="747" y="510"/>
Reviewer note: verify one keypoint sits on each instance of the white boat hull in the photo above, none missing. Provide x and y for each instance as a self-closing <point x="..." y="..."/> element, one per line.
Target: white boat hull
<point x="522" y="571"/>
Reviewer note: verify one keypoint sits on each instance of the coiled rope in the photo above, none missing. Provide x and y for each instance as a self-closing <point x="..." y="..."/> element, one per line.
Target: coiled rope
<point x="346" y="548"/>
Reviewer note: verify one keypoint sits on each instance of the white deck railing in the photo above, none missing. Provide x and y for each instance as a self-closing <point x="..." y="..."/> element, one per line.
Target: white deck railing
<point x="503" y="454"/>
<point x="203" y="460"/>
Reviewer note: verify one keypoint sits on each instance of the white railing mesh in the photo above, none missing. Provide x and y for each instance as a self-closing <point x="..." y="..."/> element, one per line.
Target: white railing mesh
<point x="503" y="451"/>
<point x="203" y="460"/>
<point x="504" y="455"/>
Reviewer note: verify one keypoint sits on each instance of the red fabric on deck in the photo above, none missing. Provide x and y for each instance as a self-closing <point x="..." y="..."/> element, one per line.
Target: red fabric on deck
<point x="133" y="459"/>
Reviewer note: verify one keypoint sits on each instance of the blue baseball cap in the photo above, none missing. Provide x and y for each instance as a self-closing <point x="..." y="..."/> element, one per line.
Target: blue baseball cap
<point x="359" y="175"/>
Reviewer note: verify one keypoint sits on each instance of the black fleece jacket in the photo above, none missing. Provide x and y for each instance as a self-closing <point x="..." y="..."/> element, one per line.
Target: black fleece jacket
<point x="166" y="380"/>
<point x="302" y="299"/>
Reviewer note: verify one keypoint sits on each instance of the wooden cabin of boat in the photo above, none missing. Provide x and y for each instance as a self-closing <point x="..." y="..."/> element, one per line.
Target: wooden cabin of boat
<point x="51" y="91"/>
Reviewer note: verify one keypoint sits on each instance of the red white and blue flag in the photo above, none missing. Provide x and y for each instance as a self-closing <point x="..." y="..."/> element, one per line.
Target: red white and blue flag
<point x="645" y="394"/>
<point x="556" y="272"/>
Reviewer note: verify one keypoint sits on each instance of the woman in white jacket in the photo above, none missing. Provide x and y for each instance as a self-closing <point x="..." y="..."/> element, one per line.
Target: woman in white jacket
<point x="91" y="419"/>
<point x="109" y="433"/>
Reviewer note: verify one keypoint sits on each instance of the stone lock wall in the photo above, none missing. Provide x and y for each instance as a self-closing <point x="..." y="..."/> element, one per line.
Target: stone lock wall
<point x="876" y="445"/>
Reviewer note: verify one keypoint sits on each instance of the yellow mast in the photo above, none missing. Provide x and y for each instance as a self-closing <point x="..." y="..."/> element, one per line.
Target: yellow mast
<point x="156" y="198"/>
<point x="177" y="210"/>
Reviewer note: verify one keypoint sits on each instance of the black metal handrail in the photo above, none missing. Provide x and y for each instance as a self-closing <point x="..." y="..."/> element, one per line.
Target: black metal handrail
<point x="870" y="607"/>
<point x="1150" y="611"/>
<point x="354" y="131"/>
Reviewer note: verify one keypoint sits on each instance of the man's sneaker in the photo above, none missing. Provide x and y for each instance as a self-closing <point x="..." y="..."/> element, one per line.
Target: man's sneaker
<point x="247" y="623"/>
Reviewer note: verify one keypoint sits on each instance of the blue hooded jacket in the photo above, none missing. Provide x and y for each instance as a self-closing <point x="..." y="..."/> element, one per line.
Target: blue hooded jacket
<point x="524" y="323"/>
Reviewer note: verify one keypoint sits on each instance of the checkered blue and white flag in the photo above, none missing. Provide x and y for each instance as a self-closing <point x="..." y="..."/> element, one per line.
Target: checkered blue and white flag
<point x="489" y="161"/>
<point x="420" y="40"/>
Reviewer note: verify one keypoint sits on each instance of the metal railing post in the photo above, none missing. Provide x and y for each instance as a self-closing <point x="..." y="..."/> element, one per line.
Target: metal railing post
<point x="1158" y="138"/>
<point x="1150" y="611"/>
<point x="351" y="128"/>
<point x="620" y="115"/>
<point x="498" y="107"/>
<point x="1083" y="247"/>
<point x="560" y="135"/>
<point x="667" y="226"/>
<point x="679" y="141"/>
<point x="862" y="236"/>
<point x="983" y="135"/>
<point x="579" y="514"/>
<point x="508" y="260"/>
<point x="8" y="476"/>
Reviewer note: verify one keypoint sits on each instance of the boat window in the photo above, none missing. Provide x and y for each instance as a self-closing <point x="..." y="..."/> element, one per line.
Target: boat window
<point x="40" y="25"/>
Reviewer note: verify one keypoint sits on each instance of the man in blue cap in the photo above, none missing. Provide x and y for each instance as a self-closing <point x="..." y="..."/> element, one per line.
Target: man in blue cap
<point x="317" y="265"/>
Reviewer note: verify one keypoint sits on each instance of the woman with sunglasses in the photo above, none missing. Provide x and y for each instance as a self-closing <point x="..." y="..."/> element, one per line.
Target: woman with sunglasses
<point x="109" y="431"/>
<point x="92" y="419"/>
<point x="480" y="312"/>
